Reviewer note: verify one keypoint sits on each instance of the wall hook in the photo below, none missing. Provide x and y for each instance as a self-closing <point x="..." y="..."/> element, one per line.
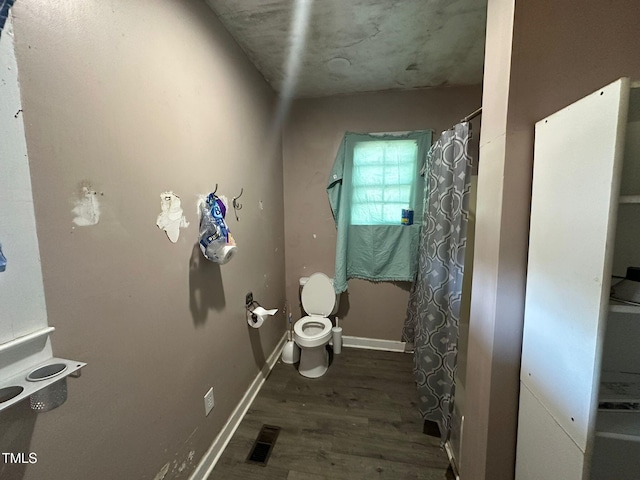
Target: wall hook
<point x="215" y="190"/>
<point x="237" y="206"/>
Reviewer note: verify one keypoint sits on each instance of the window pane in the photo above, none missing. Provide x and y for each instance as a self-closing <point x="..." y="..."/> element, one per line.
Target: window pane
<point x="398" y="174"/>
<point x="368" y="175"/>
<point x="368" y="153"/>
<point x="392" y="213"/>
<point x="367" y="195"/>
<point x="399" y="194"/>
<point x="367" y="214"/>
<point x="382" y="180"/>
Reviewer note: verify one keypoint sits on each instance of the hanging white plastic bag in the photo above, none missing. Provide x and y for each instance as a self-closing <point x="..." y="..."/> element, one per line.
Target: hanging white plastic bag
<point x="171" y="219"/>
<point x="216" y="242"/>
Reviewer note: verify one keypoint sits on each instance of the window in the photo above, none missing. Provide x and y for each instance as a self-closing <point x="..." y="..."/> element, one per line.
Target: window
<point x="373" y="178"/>
<point x="383" y="180"/>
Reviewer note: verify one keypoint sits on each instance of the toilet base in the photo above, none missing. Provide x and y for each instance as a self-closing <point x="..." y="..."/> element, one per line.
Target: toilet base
<point x="314" y="361"/>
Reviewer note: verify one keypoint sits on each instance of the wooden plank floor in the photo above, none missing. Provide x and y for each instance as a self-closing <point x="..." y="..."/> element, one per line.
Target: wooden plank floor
<point x="358" y="421"/>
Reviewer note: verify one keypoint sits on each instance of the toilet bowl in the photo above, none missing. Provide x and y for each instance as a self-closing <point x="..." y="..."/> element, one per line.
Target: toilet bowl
<point x="313" y="332"/>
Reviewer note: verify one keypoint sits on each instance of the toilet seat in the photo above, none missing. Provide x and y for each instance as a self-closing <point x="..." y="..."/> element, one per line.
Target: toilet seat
<point x="312" y="331"/>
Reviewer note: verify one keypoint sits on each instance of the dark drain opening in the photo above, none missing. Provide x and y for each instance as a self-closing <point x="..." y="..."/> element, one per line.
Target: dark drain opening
<point x="262" y="447"/>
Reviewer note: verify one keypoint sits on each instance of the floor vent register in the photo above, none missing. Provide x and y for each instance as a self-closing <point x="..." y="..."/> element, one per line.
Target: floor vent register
<point x="262" y="447"/>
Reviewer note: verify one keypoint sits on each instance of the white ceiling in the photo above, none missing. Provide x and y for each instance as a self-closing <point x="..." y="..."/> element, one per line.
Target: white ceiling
<point x="389" y="44"/>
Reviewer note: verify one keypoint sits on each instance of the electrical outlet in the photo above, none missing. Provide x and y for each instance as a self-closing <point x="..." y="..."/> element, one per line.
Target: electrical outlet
<point x="208" y="402"/>
<point x="248" y="300"/>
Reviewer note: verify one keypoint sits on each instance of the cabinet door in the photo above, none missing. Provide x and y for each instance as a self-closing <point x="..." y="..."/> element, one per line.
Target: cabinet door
<point x="576" y="177"/>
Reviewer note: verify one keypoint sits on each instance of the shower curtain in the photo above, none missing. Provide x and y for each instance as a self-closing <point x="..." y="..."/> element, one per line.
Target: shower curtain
<point x="433" y="312"/>
<point x="5" y="6"/>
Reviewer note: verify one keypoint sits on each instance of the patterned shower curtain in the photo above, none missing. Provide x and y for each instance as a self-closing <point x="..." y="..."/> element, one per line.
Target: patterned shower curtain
<point x="5" y="5"/>
<point x="433" y="312"/>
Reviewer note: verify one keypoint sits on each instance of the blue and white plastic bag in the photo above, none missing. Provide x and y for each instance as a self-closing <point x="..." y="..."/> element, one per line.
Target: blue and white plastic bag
<point x="216" y="242"/>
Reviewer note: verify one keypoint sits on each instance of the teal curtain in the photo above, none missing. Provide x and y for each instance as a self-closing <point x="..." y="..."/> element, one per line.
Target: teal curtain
<point x="375" y="177"/>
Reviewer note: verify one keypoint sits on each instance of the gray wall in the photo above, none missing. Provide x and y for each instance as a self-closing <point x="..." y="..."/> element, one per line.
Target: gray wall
<point x="137" y="98"/>
<point x="311" y="139"/>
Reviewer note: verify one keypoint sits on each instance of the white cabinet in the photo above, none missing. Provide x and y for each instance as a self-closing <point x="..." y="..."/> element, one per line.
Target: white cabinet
<point x="585" y="227"/>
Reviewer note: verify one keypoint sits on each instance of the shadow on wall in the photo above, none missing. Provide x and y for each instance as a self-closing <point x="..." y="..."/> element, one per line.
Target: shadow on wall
<point x="256" y="347"/>
<point x="206" y="291"/>
<point x="16" y="430"/>
<point x="343" y="308"/>
<point x="406" y="286"/>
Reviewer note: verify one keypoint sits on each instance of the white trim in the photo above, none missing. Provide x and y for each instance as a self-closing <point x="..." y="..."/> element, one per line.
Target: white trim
<point x="623" y="308"/>
<point x="452" y="459"/>
<point x="209" y="459"/>
<point x="629" y="199"/>
<point x="373" y="344"/>
<point x="16" y="342"/>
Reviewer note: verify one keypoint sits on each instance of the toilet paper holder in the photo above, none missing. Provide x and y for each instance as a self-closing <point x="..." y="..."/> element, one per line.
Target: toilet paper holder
<point x="250" y="306"/>
<point x="256" y="313"/>
<point x="249" y="302"/>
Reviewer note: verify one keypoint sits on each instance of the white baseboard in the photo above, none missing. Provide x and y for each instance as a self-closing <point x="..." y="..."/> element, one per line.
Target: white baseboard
<point x="373" y="344"/>
<point x="210" y="458"/>
<point x="452" y="459"/>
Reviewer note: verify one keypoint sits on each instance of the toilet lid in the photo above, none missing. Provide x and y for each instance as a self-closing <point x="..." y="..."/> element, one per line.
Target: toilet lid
<point x="318" y="296"/>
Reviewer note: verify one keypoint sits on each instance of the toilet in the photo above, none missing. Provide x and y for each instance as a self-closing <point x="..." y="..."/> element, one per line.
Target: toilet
<point x="313" y="332"/>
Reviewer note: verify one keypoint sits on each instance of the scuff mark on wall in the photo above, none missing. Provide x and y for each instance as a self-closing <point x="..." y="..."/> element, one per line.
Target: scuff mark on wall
<point x="87" y="208"/>
<point x="176" y="469"/>
<point x="163" y="472"/>
<point x="187" y="462"/>
<point x="171" y="218"/>
<point x="192" y="433"/>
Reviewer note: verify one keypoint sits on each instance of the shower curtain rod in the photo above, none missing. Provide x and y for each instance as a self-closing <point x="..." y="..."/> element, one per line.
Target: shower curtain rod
<point x="473" y="114"/>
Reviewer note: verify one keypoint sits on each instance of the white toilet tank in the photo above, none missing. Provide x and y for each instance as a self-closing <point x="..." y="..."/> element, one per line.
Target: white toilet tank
<point x="303" y="281"/>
